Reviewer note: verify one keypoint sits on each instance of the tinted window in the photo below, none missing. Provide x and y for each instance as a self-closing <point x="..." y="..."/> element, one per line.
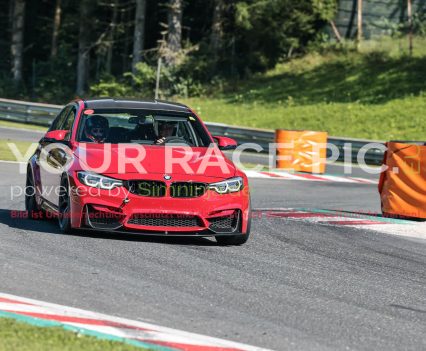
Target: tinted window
<point x="141" y="127"/>
<point x="70" y="119"/>
<point x="60" y="119"/>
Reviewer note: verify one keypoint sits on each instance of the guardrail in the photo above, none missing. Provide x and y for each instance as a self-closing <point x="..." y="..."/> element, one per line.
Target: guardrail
<point x="263" y="137"/>
<point x="43" y="114"/>
<point x="28" y="112"/>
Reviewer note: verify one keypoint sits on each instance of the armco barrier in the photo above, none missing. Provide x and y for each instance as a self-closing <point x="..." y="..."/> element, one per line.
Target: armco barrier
<point x="43" y="114"/>
<point x="28" y="112"/>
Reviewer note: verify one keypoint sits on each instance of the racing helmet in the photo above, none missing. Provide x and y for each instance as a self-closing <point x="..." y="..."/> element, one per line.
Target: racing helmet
<point x="166" y="128"/>
<point x="96" y="128"/>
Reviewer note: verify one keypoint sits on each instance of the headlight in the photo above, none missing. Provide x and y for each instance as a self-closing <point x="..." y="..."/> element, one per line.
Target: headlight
<point x="98" y="181"/>
<point x="228" y="186"/>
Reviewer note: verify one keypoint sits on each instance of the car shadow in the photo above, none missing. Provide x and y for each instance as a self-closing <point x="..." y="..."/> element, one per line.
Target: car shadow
<point x="19" y="220"/>
<point x="412" y="309"/>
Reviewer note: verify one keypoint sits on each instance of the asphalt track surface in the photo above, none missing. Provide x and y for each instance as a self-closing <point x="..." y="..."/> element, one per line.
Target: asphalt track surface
<point x="11" y="133"/>
<point x="294" y="285"/>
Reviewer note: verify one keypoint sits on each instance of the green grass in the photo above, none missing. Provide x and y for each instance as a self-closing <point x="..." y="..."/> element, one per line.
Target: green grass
<point x="23" y="147"/>
<point x="377" y="93"/>
<point x="18" y="336"/>
<point x="397" y="119"/>
<point x="21" y="126"/>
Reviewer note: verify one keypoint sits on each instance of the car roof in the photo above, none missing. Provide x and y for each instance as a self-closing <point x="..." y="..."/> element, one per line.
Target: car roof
<point x="108" y="103"/>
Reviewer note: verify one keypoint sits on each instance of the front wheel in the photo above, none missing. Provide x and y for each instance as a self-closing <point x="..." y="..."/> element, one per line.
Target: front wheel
<point x="30" y="198"/>
<point x="64" y="206"/>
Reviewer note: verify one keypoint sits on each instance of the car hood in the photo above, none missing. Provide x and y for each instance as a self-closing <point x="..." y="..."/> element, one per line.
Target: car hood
<point x="122" y="159"/>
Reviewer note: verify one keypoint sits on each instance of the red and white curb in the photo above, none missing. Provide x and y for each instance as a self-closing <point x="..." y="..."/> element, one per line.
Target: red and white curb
<point x="360" y="220"/>
<point x="307" y="177"/>
<point x="148" y="335"/>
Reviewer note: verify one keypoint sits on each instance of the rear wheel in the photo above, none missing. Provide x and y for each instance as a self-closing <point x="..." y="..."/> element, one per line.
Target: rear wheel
<point x="64" y="207"/>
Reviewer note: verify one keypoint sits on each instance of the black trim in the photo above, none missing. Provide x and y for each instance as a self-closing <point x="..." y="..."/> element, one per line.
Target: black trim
<point x="165" y="220"/>
<point x="202" y="234"/>
<point x="109" y="222"/>
<point x="108" y="103"/>
<point x="235" y="223"/>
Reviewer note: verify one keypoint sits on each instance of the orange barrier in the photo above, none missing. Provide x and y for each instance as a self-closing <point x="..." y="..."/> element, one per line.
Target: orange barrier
<point x="305" y="151"/>
<point x="402" y="186"/>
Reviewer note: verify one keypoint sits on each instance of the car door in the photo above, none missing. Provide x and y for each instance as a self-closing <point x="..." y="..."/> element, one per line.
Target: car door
<point x="55" y="158"/>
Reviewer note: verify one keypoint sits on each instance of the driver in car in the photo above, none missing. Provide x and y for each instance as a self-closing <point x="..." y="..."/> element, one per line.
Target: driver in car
<point x="165" y="130"/>
<point x="96" y="129"/>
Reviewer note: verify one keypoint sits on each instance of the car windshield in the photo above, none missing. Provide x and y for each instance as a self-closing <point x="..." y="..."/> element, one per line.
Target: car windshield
<point x="141" y="127"/>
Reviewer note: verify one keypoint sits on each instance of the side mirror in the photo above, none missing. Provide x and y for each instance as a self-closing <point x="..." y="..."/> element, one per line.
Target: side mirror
<point x="56" y="135"/>
<point x="225" y="143"/>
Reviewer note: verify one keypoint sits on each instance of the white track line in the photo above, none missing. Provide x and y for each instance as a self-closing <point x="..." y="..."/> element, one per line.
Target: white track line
<point x="415" y="230"/>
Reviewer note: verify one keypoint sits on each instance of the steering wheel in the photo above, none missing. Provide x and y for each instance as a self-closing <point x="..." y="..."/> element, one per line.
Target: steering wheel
<point x="175" y="140"/>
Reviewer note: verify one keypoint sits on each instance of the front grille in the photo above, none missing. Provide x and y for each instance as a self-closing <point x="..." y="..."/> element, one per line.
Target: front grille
<point x="225" y="224"/>
<point x="187" y="189"/>
<point x="149" y="188"/>
<point x="165" y="220"/>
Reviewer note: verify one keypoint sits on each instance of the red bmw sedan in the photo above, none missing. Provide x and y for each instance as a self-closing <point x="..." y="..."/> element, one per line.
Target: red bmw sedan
<point x="147" y="167"/>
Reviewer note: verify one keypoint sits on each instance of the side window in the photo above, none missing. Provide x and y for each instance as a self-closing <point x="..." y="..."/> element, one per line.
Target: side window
<point x="59" y="120"/>
<point x="69" y="122"/>
<point x="70" y="119"/>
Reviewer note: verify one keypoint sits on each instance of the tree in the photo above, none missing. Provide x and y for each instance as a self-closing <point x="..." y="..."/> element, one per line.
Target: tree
<point x="17" y="43"/>
<point x="231" y="38"/>
<point x="55" y="31"/>
<point x="267" y="30"/>
<point x="111" y="35"/>
<point x="83" y="49"/>
<point x="139" y="33"/>
<point x="217" y="26"/>
<point x="326" y="10"/>
<point x="359" y="22"/>
<point x="410" y="27"/>
<point x="174" y="31"/>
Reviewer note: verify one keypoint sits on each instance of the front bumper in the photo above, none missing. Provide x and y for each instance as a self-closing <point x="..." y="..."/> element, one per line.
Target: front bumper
<point x="121" y="211"/>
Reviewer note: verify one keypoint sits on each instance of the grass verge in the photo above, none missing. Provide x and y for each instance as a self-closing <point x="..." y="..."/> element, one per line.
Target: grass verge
<point x="24" y="148"/>
<point x="402" y="119"/>
<point x="19" y="336"/>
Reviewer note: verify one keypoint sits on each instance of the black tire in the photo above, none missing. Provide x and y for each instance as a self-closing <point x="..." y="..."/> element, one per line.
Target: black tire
<point x="64" y="207"/>
<point x="236" y="239"/>
<point x="31" y="206"/>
